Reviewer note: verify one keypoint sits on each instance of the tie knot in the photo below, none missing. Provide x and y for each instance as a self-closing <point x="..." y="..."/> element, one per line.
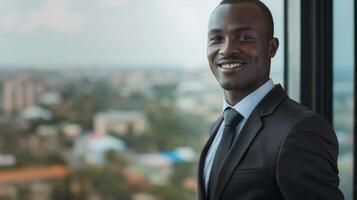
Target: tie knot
<point x="231" y="117"/>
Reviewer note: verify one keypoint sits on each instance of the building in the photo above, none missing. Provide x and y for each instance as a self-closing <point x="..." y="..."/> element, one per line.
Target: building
<point x="120" y="122"/>
<point x="20" y="92"/>
<point x="92" y="147"/>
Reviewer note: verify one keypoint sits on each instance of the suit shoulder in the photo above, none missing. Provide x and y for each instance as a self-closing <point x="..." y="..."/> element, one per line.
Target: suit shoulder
<point x="290" y="111"/>
<point x="301" y="120"/>
<point x="303" y="115"/>
<point x="293" y="116"/>
<point x="296" y="109"/>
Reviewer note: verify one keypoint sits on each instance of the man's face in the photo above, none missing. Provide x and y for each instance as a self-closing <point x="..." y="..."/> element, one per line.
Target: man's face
<point x="240" y="46"/>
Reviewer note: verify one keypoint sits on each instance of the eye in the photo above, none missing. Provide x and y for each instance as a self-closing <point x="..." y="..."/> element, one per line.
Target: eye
<point x="245" y="37"/>
<point x="215" y="38"/>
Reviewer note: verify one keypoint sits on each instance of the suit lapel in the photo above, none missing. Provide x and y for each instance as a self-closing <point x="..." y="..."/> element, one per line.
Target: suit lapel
<point x="250" y="130"/>
<point x="200" y="181"/>
<point x="246" y="136"/>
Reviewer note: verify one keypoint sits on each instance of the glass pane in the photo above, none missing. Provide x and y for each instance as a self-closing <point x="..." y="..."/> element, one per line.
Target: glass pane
<point x="107" y="99"/>
<point x="277" y="66"/>
<point x="343" y="98"/>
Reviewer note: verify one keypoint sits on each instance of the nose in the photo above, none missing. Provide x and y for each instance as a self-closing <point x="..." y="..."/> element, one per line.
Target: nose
<point x="228" y="48"/>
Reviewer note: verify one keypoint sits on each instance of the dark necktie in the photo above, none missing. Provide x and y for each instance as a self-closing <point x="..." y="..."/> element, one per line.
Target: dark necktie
<point x="231" y="120"/>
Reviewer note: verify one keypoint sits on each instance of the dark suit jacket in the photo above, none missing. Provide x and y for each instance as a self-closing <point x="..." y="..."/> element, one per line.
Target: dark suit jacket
<point x="284" y="151"/>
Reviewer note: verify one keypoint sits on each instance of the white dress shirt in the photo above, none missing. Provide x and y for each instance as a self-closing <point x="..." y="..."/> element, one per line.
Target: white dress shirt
<point x="245" y="107"/>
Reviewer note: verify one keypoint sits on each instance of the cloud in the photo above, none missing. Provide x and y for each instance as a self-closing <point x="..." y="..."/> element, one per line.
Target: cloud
<point x="54" y="14"/>
<point x="114" y="3"/>
<point x="10" y="21"/>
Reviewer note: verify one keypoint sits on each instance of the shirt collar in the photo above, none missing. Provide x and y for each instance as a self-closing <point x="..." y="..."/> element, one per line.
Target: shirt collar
<point x="246" y="106"/>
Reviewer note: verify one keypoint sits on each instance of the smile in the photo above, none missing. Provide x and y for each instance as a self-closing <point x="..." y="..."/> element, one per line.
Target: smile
<point x="231" y="67"/>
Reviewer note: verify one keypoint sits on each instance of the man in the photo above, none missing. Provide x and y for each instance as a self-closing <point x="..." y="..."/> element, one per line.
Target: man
<point x="265" y="146"/>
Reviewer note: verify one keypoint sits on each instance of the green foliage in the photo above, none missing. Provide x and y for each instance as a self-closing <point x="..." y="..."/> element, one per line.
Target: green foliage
<point x="90" y="97"/>
<point x="135" y="101"/>
<point x="23" y="193"/>
<point x="73" y="187"/>
<point x="105" y="182"/>
<point x="113" y="158"/>
<point x="165" y="91"/>
<point x="173" y="192"/>
<point x="182" y="171"/>
<point x="169" y="128"/>
<point x="25" y="159"/>
<point x="173" y="128"/>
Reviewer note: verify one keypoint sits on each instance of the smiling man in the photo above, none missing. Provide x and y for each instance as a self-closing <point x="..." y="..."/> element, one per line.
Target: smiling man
<point x="265" y="146"/>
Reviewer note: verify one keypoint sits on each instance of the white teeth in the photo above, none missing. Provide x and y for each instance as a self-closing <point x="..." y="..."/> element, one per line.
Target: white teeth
<point x="230" y="66"/>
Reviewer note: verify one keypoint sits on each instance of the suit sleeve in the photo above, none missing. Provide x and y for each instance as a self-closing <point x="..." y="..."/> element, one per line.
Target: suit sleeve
<point x="307" y="162"/>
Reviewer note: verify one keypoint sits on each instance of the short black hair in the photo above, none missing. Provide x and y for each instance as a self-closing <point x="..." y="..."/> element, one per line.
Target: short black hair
<point x="260" y="5"/>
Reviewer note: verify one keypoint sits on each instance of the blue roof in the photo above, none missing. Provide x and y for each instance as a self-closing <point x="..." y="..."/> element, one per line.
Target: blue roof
<point x="172" y="156"/>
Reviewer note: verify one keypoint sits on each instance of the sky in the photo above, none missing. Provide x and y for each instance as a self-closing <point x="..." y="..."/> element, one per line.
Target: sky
<point x="51" y="33"/>
<point x="343" y="34"/>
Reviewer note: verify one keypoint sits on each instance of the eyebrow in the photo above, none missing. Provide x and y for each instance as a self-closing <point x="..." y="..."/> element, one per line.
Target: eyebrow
<point x="212" y="31"/>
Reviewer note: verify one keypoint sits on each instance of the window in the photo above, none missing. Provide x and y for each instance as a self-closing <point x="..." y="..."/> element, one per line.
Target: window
<point x="277" y="66"/>
<point x="343" y="97"/>
<point x="107" y="99"/>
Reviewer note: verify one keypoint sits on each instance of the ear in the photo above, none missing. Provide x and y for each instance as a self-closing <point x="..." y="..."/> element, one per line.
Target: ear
<point x="273" y="46"/>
